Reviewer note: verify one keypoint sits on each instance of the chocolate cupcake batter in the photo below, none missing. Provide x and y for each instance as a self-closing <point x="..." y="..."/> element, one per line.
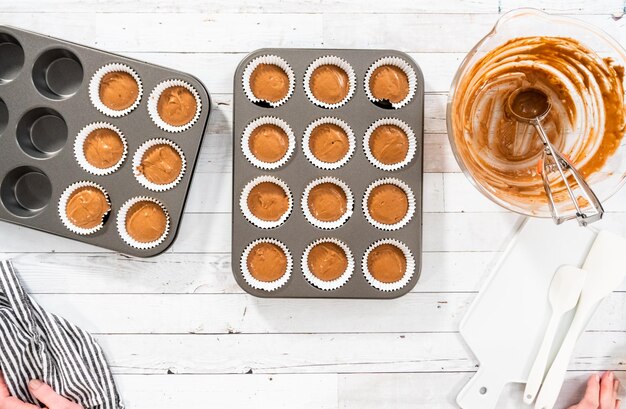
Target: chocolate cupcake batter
<point x="327" y="202"/>
<point x="177" y="106"/>
<point x="329" y="84"/>
<point x="267" y="262"/>
<point x="586" y="122"/>
<point x="118" y="90"/>
<point x="146" y="221"/>
<point x="390" y="83"/>
<point x="87" y="207"/>
<point x="161" y="164"/>
<point x="329" y="143"/>
<point x="386" y="263"/>
<point x="103" y="148"/>
<point x="327" y="261"/>
<point x="269" y="82"/>
<point x="268" y="143"/>
<point x="389" y="144"/>
<point x="268" y="201"/>
<point x="388" y="204"/>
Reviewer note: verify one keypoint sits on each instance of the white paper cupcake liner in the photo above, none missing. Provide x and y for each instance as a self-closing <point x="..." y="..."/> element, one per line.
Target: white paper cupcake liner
<point x="410" y="266"/>
<point x="121" y="223"/>
<point x="307" y="137"/>
<point x="323" y="224"/>
<point x="410" y="197"/>
<point x="412" y="141"/>
<point x="265" y="285"/>
<point x="79" y="149"/>
<point x="138" y="157"/>
<point x="243" y="202"/>
<point x="404" y="66"/>
<point x="267" y="120"/>
<point x="153" y="101"/>
<point x="333" y="284"/>
<point x="330" y="60"/>
<point x="64" y="198"/>
<point x="272" y="60"/>
<point x="94" y="89"/>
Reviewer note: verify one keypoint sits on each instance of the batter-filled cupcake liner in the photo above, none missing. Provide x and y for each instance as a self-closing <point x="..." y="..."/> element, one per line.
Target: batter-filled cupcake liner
<point x="330" y="60"/>
<point x="307" y="138"/>
<point x="410" y="75"/>
<point x="153" y="101"/>
<point x="94" y="89"/>
<point x="79" y="149"/>
<point x="65" y="197"/>
<point x="397" y="285"/>
<point x="271" y="60"/>
<point x="266" y="285"/>
<point x="267" y="120"/>
<point x="138" y="158"/>
<point x="121" y="223"/>
<point x="318" y="282"/>
<point x="243" y="202"/>
<point x="410" y="198"/>
<point x="412" y="142"/>
<point x="331" y="224"/>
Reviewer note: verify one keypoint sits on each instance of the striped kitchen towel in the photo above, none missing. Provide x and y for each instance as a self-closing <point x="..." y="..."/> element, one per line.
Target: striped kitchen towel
<point x="35" y="344"/>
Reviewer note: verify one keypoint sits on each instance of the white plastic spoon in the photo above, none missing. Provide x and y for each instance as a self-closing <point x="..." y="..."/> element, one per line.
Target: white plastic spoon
<point x="606" y="269"/>
<point x="563" y="296"/>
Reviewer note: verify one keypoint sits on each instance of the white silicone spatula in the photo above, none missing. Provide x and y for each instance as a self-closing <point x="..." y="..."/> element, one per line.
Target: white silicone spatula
<point x="606" y="269"/>
<point x="563" y="296"/>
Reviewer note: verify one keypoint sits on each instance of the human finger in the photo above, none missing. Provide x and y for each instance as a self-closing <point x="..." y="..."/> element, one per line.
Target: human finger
<point x="46" y="395"/>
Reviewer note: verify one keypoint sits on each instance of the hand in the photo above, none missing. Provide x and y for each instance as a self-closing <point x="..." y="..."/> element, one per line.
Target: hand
<point x="601" y="393"/>
<point x="44" y="393"/>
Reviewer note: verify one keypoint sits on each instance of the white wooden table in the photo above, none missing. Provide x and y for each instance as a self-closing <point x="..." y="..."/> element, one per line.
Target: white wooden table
<point x="180" y="333"/>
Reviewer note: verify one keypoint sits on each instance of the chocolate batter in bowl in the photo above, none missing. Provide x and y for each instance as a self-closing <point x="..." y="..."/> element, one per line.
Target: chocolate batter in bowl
<point x="580" y="69"/>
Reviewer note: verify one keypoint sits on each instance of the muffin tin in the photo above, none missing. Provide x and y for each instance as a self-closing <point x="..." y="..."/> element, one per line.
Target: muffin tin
<point x="358" y="173"/>
<point x="45" y="103"/>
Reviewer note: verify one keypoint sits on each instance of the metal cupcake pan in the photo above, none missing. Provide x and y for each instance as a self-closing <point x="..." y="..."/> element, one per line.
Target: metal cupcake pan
<point x="358" y="173"/>
<point x="44" y="103"/>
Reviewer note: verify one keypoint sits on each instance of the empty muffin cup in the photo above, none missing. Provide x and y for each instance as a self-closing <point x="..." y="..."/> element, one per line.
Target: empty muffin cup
<point x="390" y="83"/>
<point x="143" y="222"/>
<point x="328" y="143"/>
<point x="58" y="74"/>
<point x="329" y="82"/>
<point x="174" y="105"/>
<point x="84" y="207"/>
<point x="100" y="148"/>
<point x="389" y="144"/>
<point x="266" y="264"/>
<point x="159" y="164"/>
<point x="41" y="133"/>
<point x="327" y="202"/>
<point x="4" y="116"/>
<point x="266" y="202"/>
<point x="268" y="142"/>
<point x="25" y="191"/>
<point x="115" y="90"/>
<point x="268" y="81"/>
<point x="11" y="58"/>
<point x="388" y="204"/>
<point x="388" y="265"/>
<point x="327" y="263"/>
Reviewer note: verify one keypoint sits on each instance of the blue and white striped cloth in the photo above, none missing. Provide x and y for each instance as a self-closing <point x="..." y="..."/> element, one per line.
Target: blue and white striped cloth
<point x="35" y="344"/>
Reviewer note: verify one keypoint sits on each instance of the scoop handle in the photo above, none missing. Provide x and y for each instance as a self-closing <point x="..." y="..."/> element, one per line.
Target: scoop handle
<point x="541" y="361"/>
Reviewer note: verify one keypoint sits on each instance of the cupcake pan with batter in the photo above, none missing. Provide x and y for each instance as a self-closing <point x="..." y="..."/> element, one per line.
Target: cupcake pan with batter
<point x="45" y="103"/>
<point x="296" y="232"/>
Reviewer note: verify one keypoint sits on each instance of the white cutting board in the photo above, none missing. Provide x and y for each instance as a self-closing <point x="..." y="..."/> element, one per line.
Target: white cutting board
<point x="504" y="326"/>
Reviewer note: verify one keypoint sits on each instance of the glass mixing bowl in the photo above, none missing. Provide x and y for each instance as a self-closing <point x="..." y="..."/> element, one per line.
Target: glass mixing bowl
<point x="572" y="128"/>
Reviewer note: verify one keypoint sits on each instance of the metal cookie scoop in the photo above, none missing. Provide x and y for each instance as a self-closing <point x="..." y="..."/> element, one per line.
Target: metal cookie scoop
<point x="531" y="105"/>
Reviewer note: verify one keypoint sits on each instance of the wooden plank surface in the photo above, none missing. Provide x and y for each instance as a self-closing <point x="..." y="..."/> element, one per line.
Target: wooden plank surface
<point x="178" y="330"/>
